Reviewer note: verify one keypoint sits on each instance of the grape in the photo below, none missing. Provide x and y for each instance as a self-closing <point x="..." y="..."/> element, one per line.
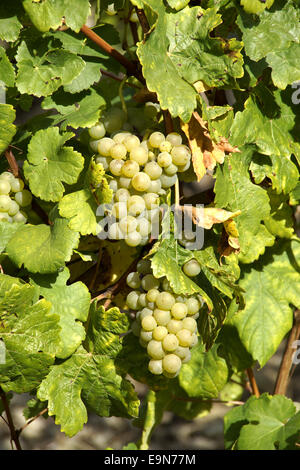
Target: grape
<point x="122" y="194"/>
<point x="192" y="268"/>
<point x="174" y="138"/>
<point x="146" y="336"/>
<point x="13" y="208"/>
<point x="148" y="323"/>
<point x="136" y="205"/>
<point x="130" y="168"/>
<point x="170" y="342"/>
<point x="144" y="266"/>
<point x="155" y="186"/>
<point x="132" y="300"/>
<point x="184" y="337"/>
<point x="174" y="326"/>
<point x="165" y="301"/>
<point x="165" y="146"/>
<point x="128" y="224"/>
<point x="4" y="203"/>
<point x="143" y="227"/>
<point x="196" y="316"/>
<point x="119" y="210"/>
<point x="151" y="305"/>
<point x="166" y="285"/>
<point x="155" y="367"/>
<point x="125" y="182"/>
<point x="164" y="159"/>
<point x="153" y="170"/>
<point x="151" y="200"/>
<point x="171" y="170"/>
<point x="4" y="187"/>
<point x="179" y="310"/>
<point x="98" y="131"/>
<point x="115" y="167"/>
<point x="142" y="300"/>
<point x="6" y="175"/>
<point x="171" y="363"/>
<point x="156" y="138"/>
<point x="133" y="239"/>
<point x="104" y="146"/>
<point x="118" y="151"/>
<point x="94" y="145"/>
<point x="20" y="217"/>
<point x="145" y="313"/>
<point x="149" y="282"/>
<point x="23" y="198"/>
<point x="182" y="352"/>
<point x="187" y="357"/>
<point x="152" y="295"/>
<point x="119" y="137"/>
<point x="114" y="119"/>
<point x="155" y="349"/>
<point x="113" y="185"/>
<point x="159" y="333"/>
<point x="151" y="110"/>
<point x="140" y="182"/>
<point x="4" y="216"/>
<point x="139" y="155"/>
<point x="131" y="142"/>
<point x="168" y="181"/>
<point x="114" y="232"/>
<point x="105" y="161"/>
<point x="194" y="340"/>
<point x="133" y="280"/>
<point x="136" y="328"/>
<point x="193" y="306"/>
<point x="162" y="316"/>
<point x="180" y="155"/>
<point x="182" y="169"/>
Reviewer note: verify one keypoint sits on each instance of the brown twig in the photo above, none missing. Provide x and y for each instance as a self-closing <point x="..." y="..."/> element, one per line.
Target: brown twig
<point x="254" y="387"/>
<point x="13" y="433"/>
<point x="12" y="163"/>
<point x="143" y="20"/>
<point x="134" y="32"/>
<point x="118" y="79"/>
<point x="31" y="421"/>
<point x="130" y="67"/>
<point x="284" y="374"/>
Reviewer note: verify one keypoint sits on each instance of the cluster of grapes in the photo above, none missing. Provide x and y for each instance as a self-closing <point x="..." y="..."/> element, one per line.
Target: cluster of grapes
<point x="141" y="171"/>
<point x="165" y="323"/>
<point x="13" y="197"/>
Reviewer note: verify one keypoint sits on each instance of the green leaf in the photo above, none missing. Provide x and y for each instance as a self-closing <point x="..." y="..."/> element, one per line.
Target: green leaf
<point x="50" y="13"/>
<point x="280" y="222"/>
<point x="283" y="64"/>
<point x="205" y="374"/>
<point x="30" y="333"/>
<point x="7" y="73"/>
<point x="90" y="377"/>
<point x="264" y="423"/>
<point x="7" y="128"/>
<point x="49" y="161"/>
<point x="256" y="6"/>
<point x="42" y="69"/>
<point x="33" y="408"/>
<point x="7" y="230"/>
<point x="70" y="302"/>
<point x="10" y="26"/>
<point x="42" y="248"/>
<point x="268" y="313"/>
<point x="178" y="4"/>
<point x="78" y="110"/>
<point x="235" y="191"/>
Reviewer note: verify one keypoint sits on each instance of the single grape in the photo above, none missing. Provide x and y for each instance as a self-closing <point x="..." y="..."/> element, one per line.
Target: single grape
<point x="130" y="168"/>
<point x="113" y="184"/>
<point x="182" y="352"/>
<point x="4" y="187"/>
<point x="174" y="326"/>
<point x="162" y="316"/>
<point x="119" y="210"/>
<point x="105" y="161"/>
<point x="165" y="146"/>
<point x="193" y="306"/>
<point x="151" y="200"/>
<point x="20" y="217"/>
<point x="144" y="227"/>
<point x="136" y="205"/>
<point x="133" y="280"/>
<point x="170" y="342"/>
<point x="151" y="110"/>
<point x="155" y="187"/>
<point x="159" y="333"/>
<point x="6" y="175"/>
<point x="144" y="266"/>
<point x="119" y="137"/>
<point x="165" y="301"/>
<point x="184" y="337"/>
<point x="171" y="363"/>
<point x="94" y="145"/>
<point x="152" y="295"/>
<point x="187" y="357"/>
<point x="122" y="194"/>
<point x="143" y="300"/>
<point x="128" y="224"/>
<point x="168" y="181"/>
<point x="124" y="182"/>
<point x="146" y="336"/>
<point x="139" y="155"/>
<point x="183" y="168"/>
<point x="180" y="155"/>
<point x="156" y="138"/>
<point x="192" y="268"/>
<point x="164" y="159"/>
<point x="151" y="305"/>
<point x="179" y="311"/>
<point x="131" y="142"/>
<point x="4" y="217"/>
<point x="133" y="239"/>
<point x="13" y="208"/>
<point x="196" y="316"/>
<point x="23" y="198"/>
<point x="194" y="340"/>
<point x="104" y="146"/>
<point x="171" y="170"/>
<point x="155" y="349"/>
<point x="150" y="282"/>
<point x="155" y="367"/>
<point x="140" y="182"/>
<point x="153" y="170"/>
<point x="115" y="167"/>
<point x="148" y="323"/>
<point x="118" y="151"/>
<point x="145" y="313"/>
<point x="136" y="328"/>
<point x="5" y="202"/>
<point x="114" y="232"/>
<point x="132" y="300"/>
<point x="174" y="138"/>
<point x="98" y="131"/>
<point x="189" y="324"/>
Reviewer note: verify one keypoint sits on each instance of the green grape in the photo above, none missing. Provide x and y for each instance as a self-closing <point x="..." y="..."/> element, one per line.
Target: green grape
<point x="180" y="155"/>
<point x="162" y="316"/>
<point x="132" y="300"/>
<point x="98" y="131"/>
<point x="114" y="119"/>
<point x="133" y="280"/>
<point x="105" y="161"/>
<point x="155" y="187"/>
<point x="118" y="151"/>
<point x="196" y="316"/>
<point x="164" y="159"/>
<point x="139" y="155"/>
<point x="13" y="208"/>
<point x="143" y="300"/>
<point x="136" y="328"/>
<point x="114" y="232"/>
<point x="113" y="184"/>
<point x="165" y="301"/>
<point x="144" y="227"/>
<point x="151" y="110"/>
<point x="6" y="175"/>
<point x="23" y="198"/>
<point x="194" y="340"/>
<point x="131" y="142"/>
<point x="119" y="210"/>
<point x="159" y="333"/>
<point x="151" y="305"/>
<point x="130" y="168"/>
<point x="166" y="285"/>
<point x="152" y="295"/>
<point x="4" y="217"/>
<point x="156" y="138"/>
<point x="146" y="336"/>
<point x="170" y="342"/>
<point x="184" y="337"/>
<point x="146" y="312"/>
<point x="182" y="169"/>
<point x="119" y="137"/>
<point x="133" y="239"/>
<point x="148" y="323"/>
<point x="94" y="145"/>
<point x="182" y="352"/>
<point x="144" y="266"/>
<point x="20" y="217"/>
<point x="192" y="268"/>
<point x="174" y="138"/>
<point x="155" y="349"/>
<point x="155" y="367"/>
<point x="115" y="167"/>
<point x="168" y="181"/>
<point x="187" y="357"/>
<point x="150" y="282"/>
<point x="193" y="306"/>
<point x="153" y="170"/>
<point x="171" y="363"/>
<point x="165" y="146"/>
<point x="104" y="146"/>
<point x="174" y="326"/>
<point x="189" y="324"/>
<point x="179" y="311"/>
<point x="122" y="194"/>
<point x="140" y="182"/>
<point x="128" y="224"/>
<point x="5" y="202"/>
<point x="4" y="187"/>
<point x="136" y="205"/>
<point x="125" y="182"/>
<point x="151" y="200"/>
<point x="171" y="170"/>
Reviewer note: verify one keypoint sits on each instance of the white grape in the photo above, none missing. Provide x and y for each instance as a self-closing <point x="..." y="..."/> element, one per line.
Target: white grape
<point x="143" y="227"/>
<point x="182" y="352"/>
<point x="98" y="131"/>
<point x="164" y="159"/>
<point x="174" y="326"/>
<point x="145" y="313"/>
<point x="155" y="367"/>
<point x="133" y="239"/>
<point x="168" y="181"/>
<point x="171" y="170"/>
<point x="115" y="167"/>
<point x="122" y="194"/>
<point x="124" y="182"/>
<point x="105" y="161"/>
<point x="142" y="300"/>
<point x="128" y="224"/>
<point x="113" y="184"/>
<point x="165" y="301"/>
<point x="132" y="300"/>
<point x="23" y="198"/>
<point x="146" y="336"/>
<point x="170" y="342"/>
<point x="183" y="168"/>
<point x="133" y="280"/>
<point x="156" y="138"/>
<point x="140" y="181"/>
<point x="184" y="337"/>
<point x="20" y="217"/>
<point x="180" y="155"/>
<point x="94" y="145"/>
<point x="159" y="333"/>
<point x="155" y="349"/>
<point x="192" y="268"/>
<point x="179" y="311"/>
<point x="193" y="306"/>
<point x="114" y="232"/>
<point x="104" y="146"/>
<point x="4" y="187"/>
<point x="165" y="146"/>
<point x="4" y="217"/>
<point x="174" y="138"/>
<point x="152" y="295"/>
<point x="148" y="323"/>
<point x="130" y="168"/>
<point x="119" y="137"/>
<point x="119" y="210"/>
<point x="153" y="170"/>
<point x="171" y="363"/>
<point x="4" y="203"/>
<point x="136" y="205"/>
<point x="162" y="316"/>
<point x="151" y="200"/>
<point x="118" y="151"/>
<point x="139" y="155"/>
<point x="13" y="208"/>
<point x="149" y="282"/>
<point x="131" y="142"/>
<point x="189" y="324"/>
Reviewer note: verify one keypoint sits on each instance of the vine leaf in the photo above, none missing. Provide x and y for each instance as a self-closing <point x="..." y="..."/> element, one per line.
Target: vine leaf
<point x="90" y="377"/>
<point x="49" y="161"/>
<point x="30" y="333"/>
<point x="70" y="302"/>
<point x="7" y="230"/>
<point x="7" y="128"/>
<point x="256" y="6"/>
<point x="264" y="423"/>
<point x="10" y="25"/>
<point x="7" y="73"/>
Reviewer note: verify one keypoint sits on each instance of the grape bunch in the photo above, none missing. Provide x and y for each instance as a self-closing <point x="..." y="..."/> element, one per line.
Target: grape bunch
<point x="141" y="172"/>
<point x="165" y="322"/>
<point x="13" y="198"/>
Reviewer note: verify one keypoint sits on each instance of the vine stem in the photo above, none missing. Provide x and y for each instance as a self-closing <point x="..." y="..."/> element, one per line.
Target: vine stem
<point x="118" y="79"/>
<point x="13" y="433"/>
<point x="127" y="64"/>
<point x="254" y="387"/>
<point x="31" y="421"/>
<point x="143" y="20"/>
<point x="13" y="165"/>
<point x="284" y="374"/>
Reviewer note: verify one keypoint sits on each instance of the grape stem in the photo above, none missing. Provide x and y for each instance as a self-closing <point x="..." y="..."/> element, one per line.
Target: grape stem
<point x="131" y="67"/>
<point x="14" y="437"/>
<point x="143" y="20"/>
<point x="12" y="163"/>
<point x="254" y="387"/>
